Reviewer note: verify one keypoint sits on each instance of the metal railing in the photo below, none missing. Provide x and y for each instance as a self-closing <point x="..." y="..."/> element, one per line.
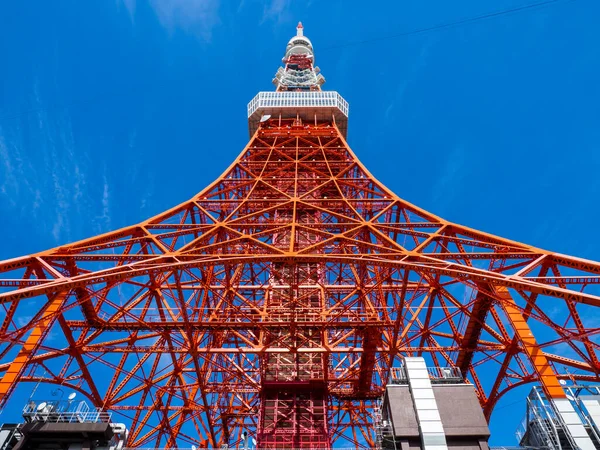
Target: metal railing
<point x="539" y="428"/>
<point x="437" y="375"/>
<point x="64" y="412"/>
<point x="296" y="99"/>
<point x="542" y="425"/>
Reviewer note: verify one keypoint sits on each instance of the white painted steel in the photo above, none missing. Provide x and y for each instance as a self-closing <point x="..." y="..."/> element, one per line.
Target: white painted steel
<point x="298" y="99"/>
<point x="428" y="415"/>
<point x="573" y="423"/>
<point x="592" y="406"/>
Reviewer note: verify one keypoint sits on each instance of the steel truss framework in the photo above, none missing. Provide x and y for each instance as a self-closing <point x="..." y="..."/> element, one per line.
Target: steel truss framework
<point x="280" y="296"/>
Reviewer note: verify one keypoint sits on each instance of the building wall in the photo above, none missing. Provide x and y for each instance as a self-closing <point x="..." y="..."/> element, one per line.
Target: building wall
<point x="460" y="410"/>
<point x="464" y="425"/>
<point x="401" y="411"/>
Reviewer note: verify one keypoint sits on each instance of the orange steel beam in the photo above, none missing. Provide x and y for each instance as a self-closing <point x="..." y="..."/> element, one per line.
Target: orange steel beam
<point x="279" y="298"/>
<point x="297" y="256"/>
<point x="401" y="261"/>
<point x="546" y="375"/>
<point x="34" y="340"/>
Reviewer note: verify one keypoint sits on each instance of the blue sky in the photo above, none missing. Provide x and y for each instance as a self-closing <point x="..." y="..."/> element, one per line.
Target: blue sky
<point x="111" y="111"/>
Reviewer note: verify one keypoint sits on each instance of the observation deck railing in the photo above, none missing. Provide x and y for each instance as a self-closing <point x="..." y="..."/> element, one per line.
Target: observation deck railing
<point x="437" y="375"/>
<point x="308" y="105"/>
<point x="298" y="99"/>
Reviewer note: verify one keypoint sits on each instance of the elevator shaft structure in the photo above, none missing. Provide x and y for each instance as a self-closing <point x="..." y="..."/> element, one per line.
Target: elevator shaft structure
<point x="275" y="304"/>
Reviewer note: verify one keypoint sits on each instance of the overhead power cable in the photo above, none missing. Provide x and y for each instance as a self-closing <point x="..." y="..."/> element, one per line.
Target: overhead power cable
<point x="440" y="26"/>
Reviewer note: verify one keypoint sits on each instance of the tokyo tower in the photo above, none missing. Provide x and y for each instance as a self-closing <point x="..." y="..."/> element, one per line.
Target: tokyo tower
<point x="278" y="301"/>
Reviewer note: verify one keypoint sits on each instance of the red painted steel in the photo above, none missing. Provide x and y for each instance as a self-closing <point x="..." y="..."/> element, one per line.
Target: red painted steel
<point x="277" y="300"/>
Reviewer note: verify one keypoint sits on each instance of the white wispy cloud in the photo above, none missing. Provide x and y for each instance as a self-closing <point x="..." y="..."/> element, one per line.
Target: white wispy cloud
<point x="61" y="228"/>
<point x="198" y="17"/>
<point x="454" y="172"/>
<point x="8" y="171"/>
<point x="277" y="10"/>
<point x="130" y="6"/>
<point x="63" y="176"/>
<point x="105" y="200"/>
<point x="103" y="220"/>
<point x="15" y="171"/>
<point x="149" y="192"/>
<point x="148" y="177"/>
<point x="37" y="202"/>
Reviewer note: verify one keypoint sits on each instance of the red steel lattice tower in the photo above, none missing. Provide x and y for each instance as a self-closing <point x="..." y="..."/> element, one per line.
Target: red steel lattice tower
<point x="277" y="300"/>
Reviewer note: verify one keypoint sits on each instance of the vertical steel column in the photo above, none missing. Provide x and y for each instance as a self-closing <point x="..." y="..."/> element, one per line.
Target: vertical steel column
<point x="294" y="394"/>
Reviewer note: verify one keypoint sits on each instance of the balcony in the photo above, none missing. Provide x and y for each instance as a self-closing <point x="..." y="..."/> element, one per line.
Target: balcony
<point x="308" y="105"/>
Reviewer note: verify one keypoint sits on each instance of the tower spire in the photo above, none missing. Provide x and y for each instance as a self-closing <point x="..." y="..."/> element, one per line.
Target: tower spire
<point x="298" y="91"/>
<point x="298" y="72"/>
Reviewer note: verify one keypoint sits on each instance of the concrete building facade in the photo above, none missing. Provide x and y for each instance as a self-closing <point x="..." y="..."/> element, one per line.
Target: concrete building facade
<point x="431" y="409"/>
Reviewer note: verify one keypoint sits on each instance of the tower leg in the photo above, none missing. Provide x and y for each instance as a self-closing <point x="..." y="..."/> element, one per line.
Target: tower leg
<point x="541" y="365"/>
<point x="35" y="338"/>
<point x="548" y="379"/>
